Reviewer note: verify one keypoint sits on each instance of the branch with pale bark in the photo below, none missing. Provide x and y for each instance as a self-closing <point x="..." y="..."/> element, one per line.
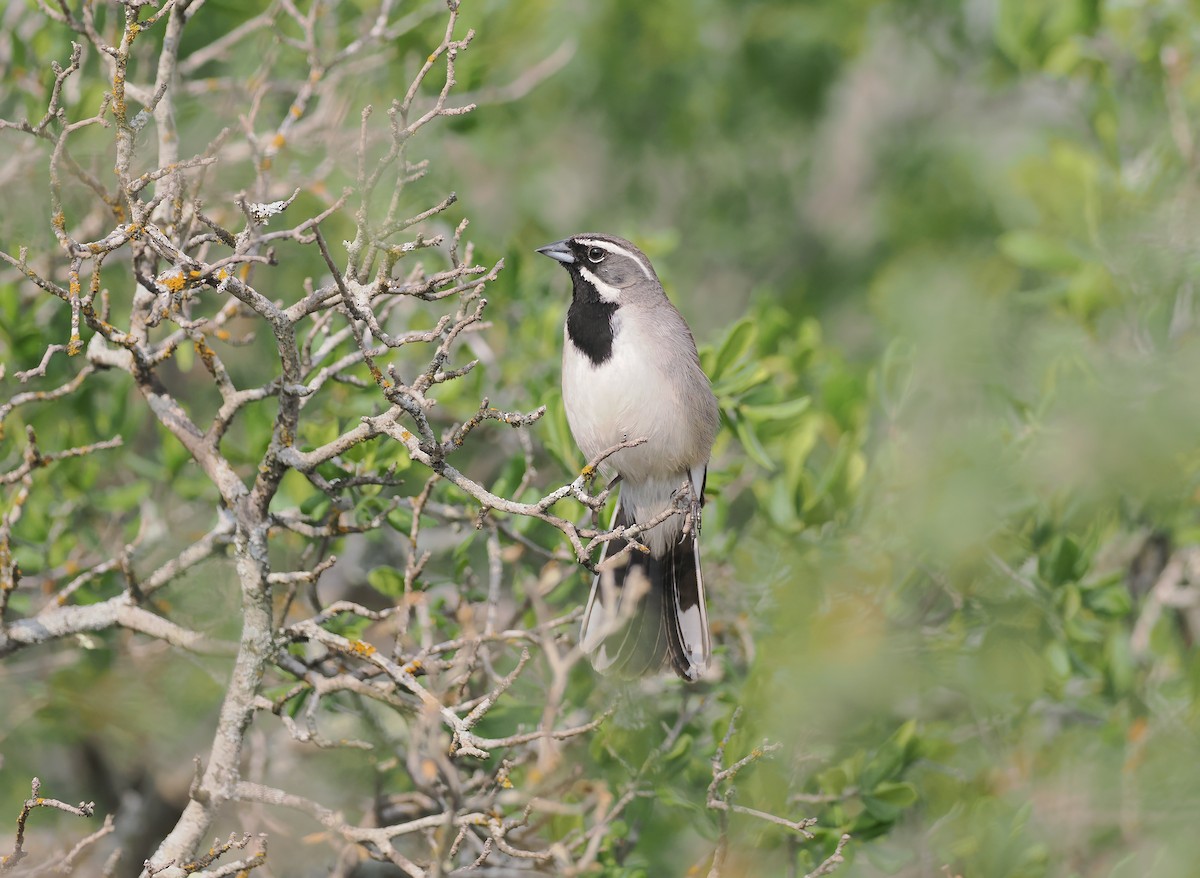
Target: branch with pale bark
<point x="187" y="274"/>
<point x="165" y="263"/>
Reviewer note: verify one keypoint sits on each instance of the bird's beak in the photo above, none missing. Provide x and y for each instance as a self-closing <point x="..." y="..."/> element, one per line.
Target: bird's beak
<point x="558" y="251"/>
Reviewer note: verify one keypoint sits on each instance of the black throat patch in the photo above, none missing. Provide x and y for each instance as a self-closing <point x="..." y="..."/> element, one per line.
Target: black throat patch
<point x="589" y="321"/>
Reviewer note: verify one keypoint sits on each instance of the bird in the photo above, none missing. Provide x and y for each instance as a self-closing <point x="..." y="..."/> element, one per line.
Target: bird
<point x="630" y="371"/>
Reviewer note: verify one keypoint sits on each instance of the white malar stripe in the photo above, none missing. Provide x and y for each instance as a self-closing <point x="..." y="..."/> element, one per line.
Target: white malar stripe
<point x="620" y="251"/>
<point x="607" y="292"/>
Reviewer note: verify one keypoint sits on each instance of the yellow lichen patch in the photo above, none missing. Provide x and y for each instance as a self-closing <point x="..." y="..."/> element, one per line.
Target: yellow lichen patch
<point x="74" y="345"/>
<point x="222" y="274"/>
<point x="205" y="353"/>
<point x="222" y="335"/>
<point x="359" y="647"/>
<point x="89" y="311"/>
<point x="73" y="287"/>
<point x="173" y="281"/>
<point x="279" y="140"/>
<point x="296" y="112"/>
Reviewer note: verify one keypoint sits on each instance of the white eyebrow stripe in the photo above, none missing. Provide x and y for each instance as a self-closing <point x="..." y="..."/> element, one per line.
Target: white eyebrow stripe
<point x="607" y="292"/>
<point x="642" y="262"/>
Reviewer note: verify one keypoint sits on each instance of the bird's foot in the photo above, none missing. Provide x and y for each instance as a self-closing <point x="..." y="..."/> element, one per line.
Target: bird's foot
<point x="688" y="503"/>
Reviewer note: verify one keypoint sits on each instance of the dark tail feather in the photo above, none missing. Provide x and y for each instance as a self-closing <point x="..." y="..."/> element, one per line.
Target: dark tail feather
<point x="685" y="613"/>
<point x="646" y="612"/>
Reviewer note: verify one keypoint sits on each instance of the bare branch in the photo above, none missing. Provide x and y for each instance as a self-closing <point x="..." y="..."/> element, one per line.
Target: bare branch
<point x="37" y="800"/>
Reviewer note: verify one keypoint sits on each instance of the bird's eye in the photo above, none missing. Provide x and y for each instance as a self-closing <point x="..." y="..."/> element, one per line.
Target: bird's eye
<point x="595" y="254"/>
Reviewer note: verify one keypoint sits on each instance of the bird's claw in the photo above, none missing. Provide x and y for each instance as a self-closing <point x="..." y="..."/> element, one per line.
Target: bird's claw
<point x="694" y="514"/>
<point x="689" y="504"/>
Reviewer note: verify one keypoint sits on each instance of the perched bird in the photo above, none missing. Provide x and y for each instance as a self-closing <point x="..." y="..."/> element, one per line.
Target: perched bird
<point x="630" y="371"/>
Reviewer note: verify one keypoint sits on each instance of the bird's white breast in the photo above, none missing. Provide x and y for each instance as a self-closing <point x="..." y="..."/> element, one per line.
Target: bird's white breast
<point x="626" y="397"/>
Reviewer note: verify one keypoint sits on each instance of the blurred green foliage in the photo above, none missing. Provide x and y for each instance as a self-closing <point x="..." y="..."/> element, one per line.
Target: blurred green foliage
<point x="942" y="260"/>
<point x="961" y="408"/>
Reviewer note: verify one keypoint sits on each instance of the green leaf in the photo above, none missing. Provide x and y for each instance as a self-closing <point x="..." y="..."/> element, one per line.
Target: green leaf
<point x="1120" y="661"/>
<point x="781" y="504"/>
<point x="461" y="554"/>
<point x="746" y="376"/>
<point x="833" y="473"/>
<point x="387" y="581"/>
<point x="1063" y="564"/>
<point x="400" y="519"/>
<point x="681" y="799"/>
<point x="833" y="780"/>
<point x="891" y="758"/>
<point x="1112" y="601"/>
<point x="682" y="748"/>
<point x="1071" y="601"/>
<point x="780" y="411"/>
<point x="316" y="505"/>
<point x="1037" y="251"/>
<point x="1058" y="659"/>
<point x="349" y="625"/>
<point x="736" y="344"/>
<point x="752" y="445"/>
<point x="889" y="799"/>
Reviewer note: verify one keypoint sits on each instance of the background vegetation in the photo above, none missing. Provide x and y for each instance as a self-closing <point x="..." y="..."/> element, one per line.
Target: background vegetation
<point x="941" y="257"/>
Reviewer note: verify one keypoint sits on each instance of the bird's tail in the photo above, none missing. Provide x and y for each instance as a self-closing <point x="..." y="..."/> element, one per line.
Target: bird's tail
<point x="646" y="611"/>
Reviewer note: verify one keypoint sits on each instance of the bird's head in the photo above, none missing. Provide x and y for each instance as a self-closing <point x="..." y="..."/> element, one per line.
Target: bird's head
<point x="608" y="264"/>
